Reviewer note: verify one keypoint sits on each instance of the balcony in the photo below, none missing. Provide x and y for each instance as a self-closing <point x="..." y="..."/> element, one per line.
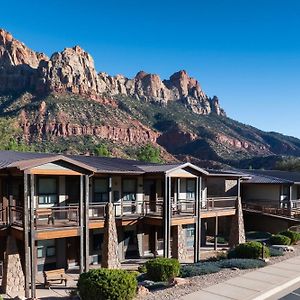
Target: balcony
<point x="3" y="216"/>
<point x="218" y="203"/>
<point x="287" y="208"/>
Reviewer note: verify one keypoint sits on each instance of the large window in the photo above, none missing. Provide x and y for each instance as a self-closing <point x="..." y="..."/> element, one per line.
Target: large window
<point x="47" y="190"/>
<point x="190" y="189"/>
<point x="46" y="249"/>
<point x="129" y="189"/>
<point x="101" y="190"/>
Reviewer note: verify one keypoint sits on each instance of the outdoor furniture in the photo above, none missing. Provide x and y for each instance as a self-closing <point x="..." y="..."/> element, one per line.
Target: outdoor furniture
<point x="55" y="276"/>
<point x="45" y="212"/>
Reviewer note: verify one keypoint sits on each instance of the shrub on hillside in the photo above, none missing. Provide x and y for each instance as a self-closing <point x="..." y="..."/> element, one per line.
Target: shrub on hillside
<point x="279" y="239"/>
<point x="241" y="263"/>
<point x="199" y="269"/>
<point x="293" y="235"/>
<point x="249" y="250"/>
<point x="162" y="269"/>
<point x="106" y="284"/>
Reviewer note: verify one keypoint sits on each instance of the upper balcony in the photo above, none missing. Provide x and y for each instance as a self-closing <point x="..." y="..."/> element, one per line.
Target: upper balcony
<point x="287" y="208"/>
<point x="69" y="216"/>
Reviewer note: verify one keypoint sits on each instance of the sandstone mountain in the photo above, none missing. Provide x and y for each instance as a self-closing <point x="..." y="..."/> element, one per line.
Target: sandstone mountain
<point x="61" y="103"/>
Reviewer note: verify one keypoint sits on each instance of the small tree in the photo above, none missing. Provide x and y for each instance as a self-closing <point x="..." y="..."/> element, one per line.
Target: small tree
<point x="149" y="153"/>
<point x="102" y="150"/>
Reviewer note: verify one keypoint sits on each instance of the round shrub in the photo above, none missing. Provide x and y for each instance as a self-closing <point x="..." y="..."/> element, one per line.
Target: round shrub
<point x="279" y="239"/>
<point x="199" y="269"/>
<point x="250" y="250"/>
<point x="293" y="235"/>
<point x="241" y="263"/>
<point x="107" y="284"/>
<point x="162" y="269"/>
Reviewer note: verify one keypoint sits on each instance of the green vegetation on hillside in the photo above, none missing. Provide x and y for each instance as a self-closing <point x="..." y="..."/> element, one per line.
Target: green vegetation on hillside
<point x="149" y="153"/>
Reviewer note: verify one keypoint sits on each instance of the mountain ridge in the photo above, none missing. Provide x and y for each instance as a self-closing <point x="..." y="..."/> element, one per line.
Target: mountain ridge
<point x="61" y="103"/>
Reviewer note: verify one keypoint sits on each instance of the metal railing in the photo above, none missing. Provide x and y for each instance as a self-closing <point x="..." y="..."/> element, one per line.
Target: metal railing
<point x="217" y="203"/>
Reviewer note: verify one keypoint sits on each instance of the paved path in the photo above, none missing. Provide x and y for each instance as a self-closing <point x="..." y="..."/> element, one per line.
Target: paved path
<point x="259" y="284"/>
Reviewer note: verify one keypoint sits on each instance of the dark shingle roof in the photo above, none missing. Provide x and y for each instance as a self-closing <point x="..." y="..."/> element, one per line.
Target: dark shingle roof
<point x="272" y="176"/>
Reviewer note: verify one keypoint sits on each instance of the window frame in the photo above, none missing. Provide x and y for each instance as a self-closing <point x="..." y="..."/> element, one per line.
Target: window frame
<point x="56" y="194"/>
<point x="126" y="194"/>
<point x="100" y="193"/>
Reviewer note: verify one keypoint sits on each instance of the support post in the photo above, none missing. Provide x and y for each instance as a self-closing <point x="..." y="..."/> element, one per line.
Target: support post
<point x="32" y="239"/>
<point x="87" y="231"/>
<point x="197" y="237"/>
<point x="26" y="238"/>
<point x="81" y="224"/>
<point x="216" y="234"/>
<point x="167" y="217"/>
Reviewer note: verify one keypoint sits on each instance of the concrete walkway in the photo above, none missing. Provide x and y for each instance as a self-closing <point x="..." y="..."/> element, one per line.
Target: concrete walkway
<point x="260" y="284"/>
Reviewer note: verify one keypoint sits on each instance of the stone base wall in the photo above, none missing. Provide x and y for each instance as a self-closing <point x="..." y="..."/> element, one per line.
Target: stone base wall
<point x="237" y="231"/>
<point x="13" y="277"/>
<point x="179" y="248"/>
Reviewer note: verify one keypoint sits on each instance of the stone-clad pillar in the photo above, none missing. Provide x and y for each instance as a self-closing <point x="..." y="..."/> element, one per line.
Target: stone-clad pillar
<point x="179" y="247"/>
<point x="237" y="230"/>
<point x="13" y="281"/>
<point x="110" y="256"/>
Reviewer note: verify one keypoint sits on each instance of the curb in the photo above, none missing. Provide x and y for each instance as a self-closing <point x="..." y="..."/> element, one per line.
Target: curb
<point x="278" y="289"/>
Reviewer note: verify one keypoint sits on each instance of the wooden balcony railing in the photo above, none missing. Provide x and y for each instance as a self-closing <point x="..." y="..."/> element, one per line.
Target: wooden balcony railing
<point x="3" y="216"/>
<point x="286" y="208"/>
<point x="56" y="216"/>
<point x="217" y="203"/>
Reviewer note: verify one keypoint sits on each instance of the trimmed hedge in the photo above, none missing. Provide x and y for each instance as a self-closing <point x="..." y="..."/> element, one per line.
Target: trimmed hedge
<point x="279" y="239"/>
<point x="162" y="269"/>
<point x="241" y="263"/>
<point x="107" y="284"/>
<point x="249" y="250"/>
<point x="258" y="235"/>
<point x="293" y="235"/>
<point x="199" y="269"/>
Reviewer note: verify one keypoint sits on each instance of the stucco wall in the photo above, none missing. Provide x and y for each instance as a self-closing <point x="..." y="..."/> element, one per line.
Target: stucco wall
<point x="261" y="192"/>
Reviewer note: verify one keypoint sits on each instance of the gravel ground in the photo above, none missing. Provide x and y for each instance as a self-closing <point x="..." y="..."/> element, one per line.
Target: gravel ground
<point x="200" y="282"/>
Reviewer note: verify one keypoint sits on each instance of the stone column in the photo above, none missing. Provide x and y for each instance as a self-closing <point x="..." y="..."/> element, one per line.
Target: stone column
<point x="179" y="248"/>
<point x="13" y="282"/>
<point x="237" y="230"/>
<point x="110" y="256"/>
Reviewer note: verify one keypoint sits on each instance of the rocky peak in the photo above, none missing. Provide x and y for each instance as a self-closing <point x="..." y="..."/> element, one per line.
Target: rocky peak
<point x="14" y="53"/>
<point x="71" y="70"/>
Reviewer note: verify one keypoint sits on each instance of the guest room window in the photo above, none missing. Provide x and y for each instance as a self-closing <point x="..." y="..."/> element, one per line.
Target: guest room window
<point x="129" y="189"/>
<point x="101" y="190"/>
<point x="190" y="189"/>
<point x="47" y="190"/>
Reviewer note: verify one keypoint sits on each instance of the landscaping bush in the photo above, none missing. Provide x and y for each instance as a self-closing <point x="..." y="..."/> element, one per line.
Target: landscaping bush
<point x="258" y="235"/>
<point x="279" y="239"/>
<point x="162" y="269"/>
<point x="276" y="252"/>
<point x="219" y="256"/>
<point x="142" y="269"/>
<point x="106" y="284"/>
<point x="199" y="269"/>
<point x="241" y="263"/>
<point x="293" y="235"/>
<point x="249" y="250"/>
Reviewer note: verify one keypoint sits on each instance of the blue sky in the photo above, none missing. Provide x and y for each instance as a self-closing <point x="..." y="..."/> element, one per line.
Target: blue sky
<point x="247" y="52"/>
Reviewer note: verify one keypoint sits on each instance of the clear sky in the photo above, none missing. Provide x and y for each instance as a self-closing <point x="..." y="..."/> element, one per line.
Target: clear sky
<point x="247" y="52"/>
